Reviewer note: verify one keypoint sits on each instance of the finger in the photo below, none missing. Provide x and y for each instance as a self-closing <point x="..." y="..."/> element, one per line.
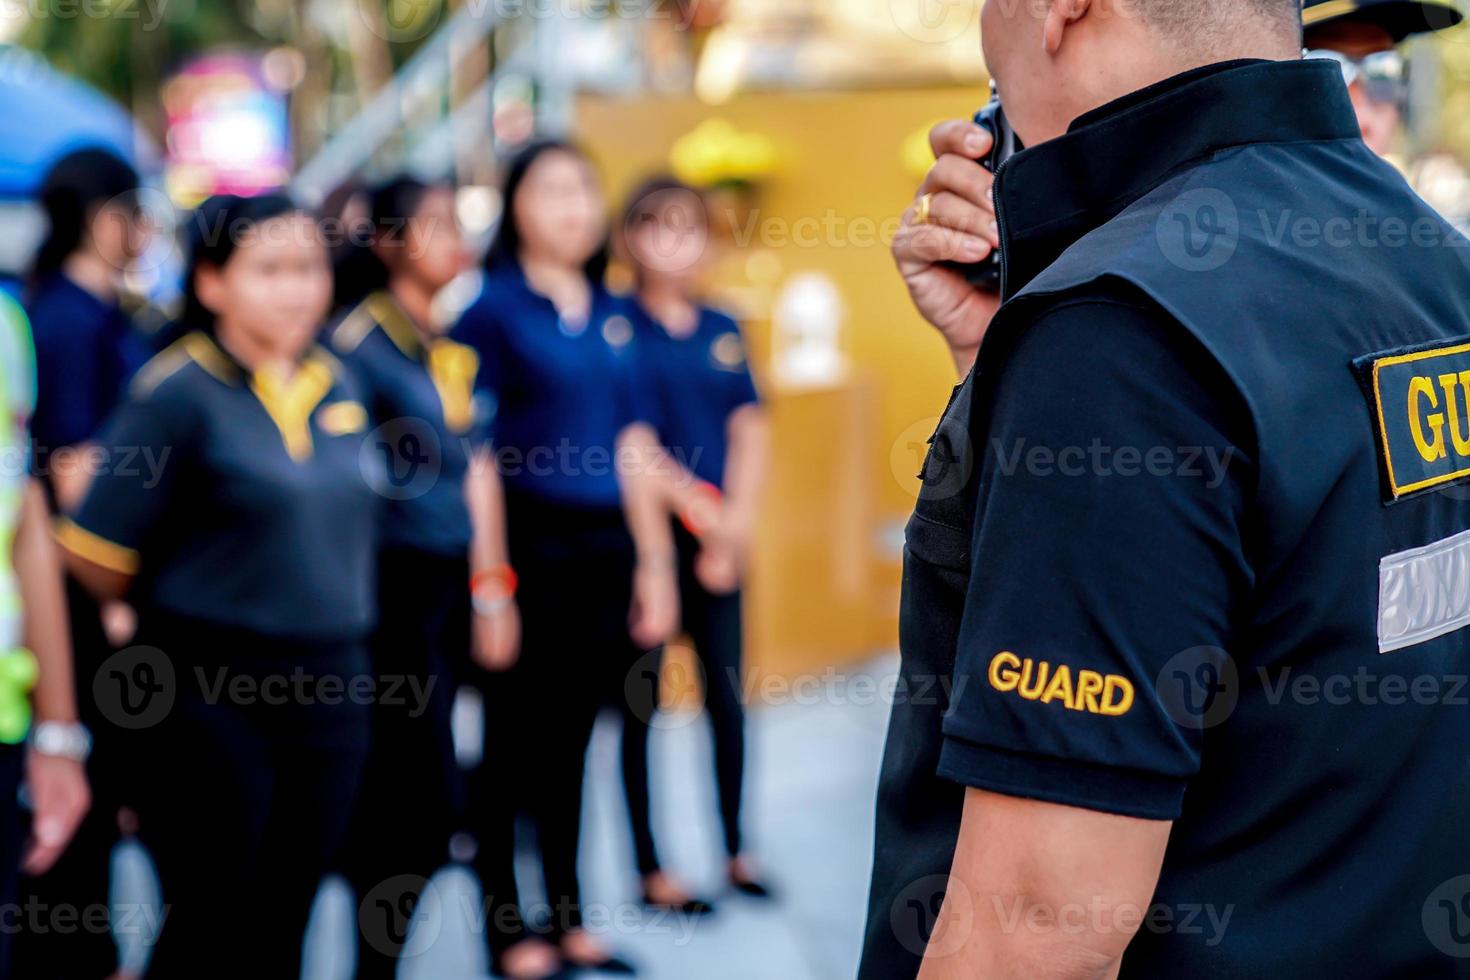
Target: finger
<point x="927" y="244"/>
<point x="954" y="213"/>
<point x="962" y="137"/>
<point x="39" y="859"/>
<point x="963" y="178"/>
<point x="51" y="833"/>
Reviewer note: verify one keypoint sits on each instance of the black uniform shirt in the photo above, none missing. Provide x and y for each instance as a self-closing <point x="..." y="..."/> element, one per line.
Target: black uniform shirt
<point x="421" y="395"/>
<point x="1192" y="541"/>
<point x="236" y="500"/>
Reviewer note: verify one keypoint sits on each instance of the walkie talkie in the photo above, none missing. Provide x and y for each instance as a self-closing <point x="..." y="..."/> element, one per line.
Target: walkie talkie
<point x="985" y="274"/>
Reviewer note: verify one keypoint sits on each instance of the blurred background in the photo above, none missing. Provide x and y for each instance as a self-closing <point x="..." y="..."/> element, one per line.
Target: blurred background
<point x="806" y="122"/>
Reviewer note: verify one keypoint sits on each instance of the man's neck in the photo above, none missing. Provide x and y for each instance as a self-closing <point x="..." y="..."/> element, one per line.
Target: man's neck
<point x="1129" y="75"/>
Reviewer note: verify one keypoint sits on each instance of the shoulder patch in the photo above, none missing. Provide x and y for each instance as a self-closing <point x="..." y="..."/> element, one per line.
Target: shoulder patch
<point x="349" y="334"/>
<point x="728" y="351"/>
<point x="162" y="366"/>
<point x="1419" y="398"/>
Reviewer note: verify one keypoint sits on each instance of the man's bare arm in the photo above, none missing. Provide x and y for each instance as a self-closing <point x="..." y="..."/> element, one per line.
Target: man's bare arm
<point x="1040" y="891"/>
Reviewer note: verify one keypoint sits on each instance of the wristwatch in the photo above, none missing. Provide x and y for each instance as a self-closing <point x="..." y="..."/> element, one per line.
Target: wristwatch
<point x="63" y="740"/>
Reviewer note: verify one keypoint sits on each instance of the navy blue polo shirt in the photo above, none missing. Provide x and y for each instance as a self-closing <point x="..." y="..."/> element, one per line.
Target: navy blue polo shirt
<point x="556" y="395"/>
<point x="236" y="501"/>
<point x="86" y="350"/>
<point x="420" y="395"/>
<point x="694" y="384"/>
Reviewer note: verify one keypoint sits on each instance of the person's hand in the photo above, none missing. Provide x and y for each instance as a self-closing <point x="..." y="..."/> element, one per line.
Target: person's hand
<point x="497" y="636"/>
<point x="720" y="564"/>
<point x="654" y="618"/>
<point x="961" y="227"/>
<point x="119" y="622"/>
<point x="60" y="798"/>
<point x="718" y="569"/>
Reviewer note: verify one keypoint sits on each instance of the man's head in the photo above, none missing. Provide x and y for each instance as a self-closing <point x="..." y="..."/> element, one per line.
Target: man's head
<point x="1056" y="59"/>
<point x="1364" y="32"/>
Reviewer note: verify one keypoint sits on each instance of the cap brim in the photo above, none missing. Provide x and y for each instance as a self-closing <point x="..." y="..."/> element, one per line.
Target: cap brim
<point x="1401" y="18"/>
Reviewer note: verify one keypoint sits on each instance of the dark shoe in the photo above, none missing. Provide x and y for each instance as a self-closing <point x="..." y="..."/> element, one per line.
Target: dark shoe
<point x="744" y="880"/>
<point x="611" y="964"/>
<point x="690" y="906"/>
<point x="751" y="888"/>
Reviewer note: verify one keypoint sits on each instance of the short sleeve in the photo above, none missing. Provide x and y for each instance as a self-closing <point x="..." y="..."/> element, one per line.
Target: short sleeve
<point x="481" y="329"/>
<point x="732" y="357"/>
<point x="143" y="448"/>
<point x="1107" y="548"/>
<point x="635" y="389"/>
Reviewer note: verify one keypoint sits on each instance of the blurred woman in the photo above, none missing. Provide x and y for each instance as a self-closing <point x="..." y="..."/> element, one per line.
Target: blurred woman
<point x="418" y="387"/>
<point x="45" y="759"/>
<point x="233" y="514"/>
<point x="571" y="488"/>
<point x="86" y="350"/>
<point x="711" y="423"/>
<point x="86" y="347"/>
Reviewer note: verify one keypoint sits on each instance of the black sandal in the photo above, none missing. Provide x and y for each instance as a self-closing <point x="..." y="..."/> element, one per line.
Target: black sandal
<point x="690" y="906"/>
<point x="609" y="964"/>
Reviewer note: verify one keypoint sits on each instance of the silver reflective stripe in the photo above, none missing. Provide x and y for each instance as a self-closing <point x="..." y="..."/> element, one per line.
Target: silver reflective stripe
<point x="1423" y="593"/>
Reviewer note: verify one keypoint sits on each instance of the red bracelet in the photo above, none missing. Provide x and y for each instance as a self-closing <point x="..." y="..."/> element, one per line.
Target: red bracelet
<point x="698" y="515"/>
<point x="503" y="575"/>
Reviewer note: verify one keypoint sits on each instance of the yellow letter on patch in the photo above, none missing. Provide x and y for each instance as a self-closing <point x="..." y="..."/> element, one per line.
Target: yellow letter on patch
<point x="1418" y="388"/>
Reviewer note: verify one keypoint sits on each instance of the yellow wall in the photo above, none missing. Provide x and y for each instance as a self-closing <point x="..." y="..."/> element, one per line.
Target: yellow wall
<point x="824" y="590"/>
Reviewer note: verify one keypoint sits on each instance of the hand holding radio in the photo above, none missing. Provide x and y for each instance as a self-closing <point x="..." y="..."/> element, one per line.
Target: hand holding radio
<point x="949" y="235"/>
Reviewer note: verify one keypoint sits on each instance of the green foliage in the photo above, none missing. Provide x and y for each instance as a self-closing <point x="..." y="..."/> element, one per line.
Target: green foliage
<point x="114" y="44"/>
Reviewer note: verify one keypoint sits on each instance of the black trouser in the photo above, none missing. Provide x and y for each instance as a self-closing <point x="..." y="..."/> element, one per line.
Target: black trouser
<point x="77" y="884"/>
<point x="713" y="624"/>
<point x="575" y="568"/>
<point x="12" y="765"/>
<point x="253" y="776"/>
<point x="411" y="801"/>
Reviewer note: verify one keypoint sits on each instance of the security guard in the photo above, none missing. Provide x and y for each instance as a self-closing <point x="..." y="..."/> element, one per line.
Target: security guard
<point x="1182" y="612"/>
<point x="419" y="391"/>
<point x="1362" y="37"/>
<point x="236" y="512"/>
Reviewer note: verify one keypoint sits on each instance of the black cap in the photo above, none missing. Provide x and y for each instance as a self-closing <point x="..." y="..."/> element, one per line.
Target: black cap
<point x="1400" y="18"/>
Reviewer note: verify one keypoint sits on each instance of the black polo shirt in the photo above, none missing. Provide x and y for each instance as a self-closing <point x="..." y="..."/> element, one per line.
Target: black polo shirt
<point x="235" y="500"/>
<point x="420" y="393"/>
<point x="1192" y="538"/>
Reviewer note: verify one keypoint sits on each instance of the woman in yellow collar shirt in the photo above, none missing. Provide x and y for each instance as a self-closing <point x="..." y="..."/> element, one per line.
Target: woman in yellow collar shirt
<point x="418" y="387"/>
<point x="235" y="511"/>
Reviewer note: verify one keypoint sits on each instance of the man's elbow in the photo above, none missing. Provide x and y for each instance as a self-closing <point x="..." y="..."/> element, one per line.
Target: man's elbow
<point x="1035" y="946"/>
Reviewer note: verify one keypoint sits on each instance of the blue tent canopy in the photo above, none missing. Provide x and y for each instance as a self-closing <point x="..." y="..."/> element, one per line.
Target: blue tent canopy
<point x="44" y="114"/>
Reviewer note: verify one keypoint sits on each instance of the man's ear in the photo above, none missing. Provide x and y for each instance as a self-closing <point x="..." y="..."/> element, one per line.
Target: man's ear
<point x="1060" y="15"/>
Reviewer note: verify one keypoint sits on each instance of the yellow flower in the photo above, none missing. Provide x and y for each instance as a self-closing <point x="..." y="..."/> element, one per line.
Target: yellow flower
<point x="715" y="152"/>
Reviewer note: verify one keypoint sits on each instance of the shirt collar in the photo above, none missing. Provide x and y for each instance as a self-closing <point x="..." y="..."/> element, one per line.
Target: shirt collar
<point x="220" y="364"/>
<point x="507" y="281"/>
<point x="1051" y="195"/>
<point x="395" y="323"/>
